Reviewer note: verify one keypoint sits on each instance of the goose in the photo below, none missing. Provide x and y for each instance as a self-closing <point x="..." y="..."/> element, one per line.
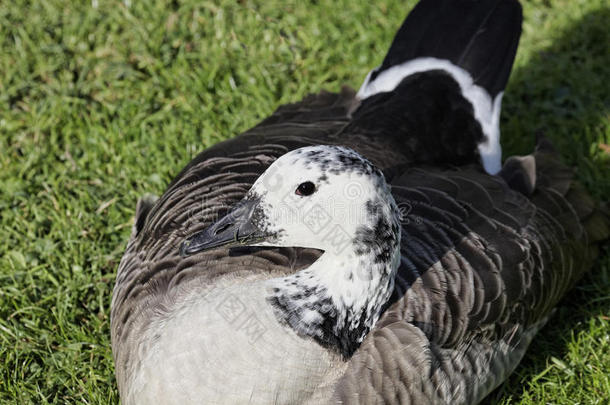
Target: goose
<point x="360" y="247"/>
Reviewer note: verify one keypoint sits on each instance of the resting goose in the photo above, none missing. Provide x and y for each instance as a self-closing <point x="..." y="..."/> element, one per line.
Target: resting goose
<point x="358" y="248"/>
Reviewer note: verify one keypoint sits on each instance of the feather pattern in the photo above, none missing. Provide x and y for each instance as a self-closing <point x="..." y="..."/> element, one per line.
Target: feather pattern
<point x="478" y="279"/>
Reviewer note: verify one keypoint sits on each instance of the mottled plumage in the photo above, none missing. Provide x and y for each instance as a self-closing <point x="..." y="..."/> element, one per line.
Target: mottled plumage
<point x="483" y="258"/>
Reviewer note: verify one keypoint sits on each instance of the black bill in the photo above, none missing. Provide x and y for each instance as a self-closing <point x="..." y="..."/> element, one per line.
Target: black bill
<point x="235" y="228"/>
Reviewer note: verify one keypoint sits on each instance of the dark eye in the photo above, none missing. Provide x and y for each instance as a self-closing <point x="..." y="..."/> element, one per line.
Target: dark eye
<point x="305" y="189"/>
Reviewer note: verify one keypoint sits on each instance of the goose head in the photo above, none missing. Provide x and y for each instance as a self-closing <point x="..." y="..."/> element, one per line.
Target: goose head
<point x="332" y="199"/>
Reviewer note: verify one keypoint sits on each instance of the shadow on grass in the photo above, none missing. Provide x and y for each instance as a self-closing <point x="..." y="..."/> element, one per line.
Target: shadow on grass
<point x="564" y="92"/>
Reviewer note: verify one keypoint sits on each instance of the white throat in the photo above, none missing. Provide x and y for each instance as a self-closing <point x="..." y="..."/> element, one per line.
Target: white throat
<point x="340" y="297"/>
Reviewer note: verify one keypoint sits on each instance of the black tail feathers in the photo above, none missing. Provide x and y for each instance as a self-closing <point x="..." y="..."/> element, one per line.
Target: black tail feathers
<point x="479" y="36"/>
<point x="443" y="78"/>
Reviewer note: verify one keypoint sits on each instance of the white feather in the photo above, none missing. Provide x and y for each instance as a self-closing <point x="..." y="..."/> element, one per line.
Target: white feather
<point x="486" y="109"/>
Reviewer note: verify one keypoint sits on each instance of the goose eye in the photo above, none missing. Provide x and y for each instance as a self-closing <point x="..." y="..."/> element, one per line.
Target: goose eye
<point x="305" y="189"/>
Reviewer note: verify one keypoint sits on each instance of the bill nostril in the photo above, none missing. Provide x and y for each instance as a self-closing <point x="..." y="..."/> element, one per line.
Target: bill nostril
<point x="221" y="229"/>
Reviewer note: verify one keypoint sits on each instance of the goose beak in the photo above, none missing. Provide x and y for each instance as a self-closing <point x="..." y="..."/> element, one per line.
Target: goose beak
<point x="235" y="228"/>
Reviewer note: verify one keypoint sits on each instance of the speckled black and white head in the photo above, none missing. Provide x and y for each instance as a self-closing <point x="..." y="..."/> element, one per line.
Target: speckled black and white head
<point x="329" y="198"/>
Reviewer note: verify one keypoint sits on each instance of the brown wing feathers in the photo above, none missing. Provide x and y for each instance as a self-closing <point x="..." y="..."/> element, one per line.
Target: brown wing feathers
<point x="483" y="267"/>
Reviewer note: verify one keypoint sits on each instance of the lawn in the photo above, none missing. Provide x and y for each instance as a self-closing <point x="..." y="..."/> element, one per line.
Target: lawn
<point x="103" y="101"/>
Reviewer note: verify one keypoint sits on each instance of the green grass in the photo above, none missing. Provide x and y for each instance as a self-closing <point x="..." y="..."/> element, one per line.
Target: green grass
<point x="101" y="105"/>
